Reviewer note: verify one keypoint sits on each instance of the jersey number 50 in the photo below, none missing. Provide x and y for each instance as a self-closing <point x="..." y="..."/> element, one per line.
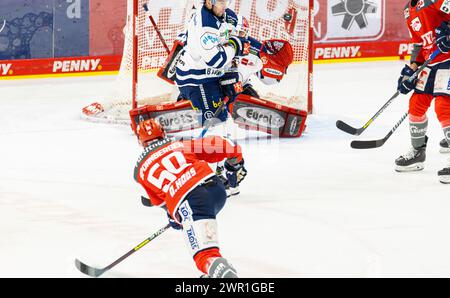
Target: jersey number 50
<point x="169" y="171"/>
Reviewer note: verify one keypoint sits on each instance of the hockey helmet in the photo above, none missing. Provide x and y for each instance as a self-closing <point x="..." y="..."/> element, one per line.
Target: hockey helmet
<point x="149" y="130"/>
<point x="200" y="3"/>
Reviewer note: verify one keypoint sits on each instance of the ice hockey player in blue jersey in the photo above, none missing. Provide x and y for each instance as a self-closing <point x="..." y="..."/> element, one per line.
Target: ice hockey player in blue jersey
<point x="205" y="75"/>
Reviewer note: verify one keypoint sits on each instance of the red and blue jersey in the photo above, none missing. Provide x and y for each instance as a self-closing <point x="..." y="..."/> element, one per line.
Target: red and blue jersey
<point x="422" y="20"/>
<point x="169" y="169"/>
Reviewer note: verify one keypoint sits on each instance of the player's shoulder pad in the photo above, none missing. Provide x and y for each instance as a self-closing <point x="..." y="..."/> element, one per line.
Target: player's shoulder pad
<point x="209" y="20"/>
<point x="231" y="17"/>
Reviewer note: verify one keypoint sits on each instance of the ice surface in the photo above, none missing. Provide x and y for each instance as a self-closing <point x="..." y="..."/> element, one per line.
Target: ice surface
<point x="310" y="207"/>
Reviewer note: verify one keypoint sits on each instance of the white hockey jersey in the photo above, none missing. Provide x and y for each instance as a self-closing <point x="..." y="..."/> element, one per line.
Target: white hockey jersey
<point x="207" y="53"/>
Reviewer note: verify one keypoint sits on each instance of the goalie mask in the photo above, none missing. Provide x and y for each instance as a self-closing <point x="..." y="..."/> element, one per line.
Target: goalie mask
<point x="149" y="130"/>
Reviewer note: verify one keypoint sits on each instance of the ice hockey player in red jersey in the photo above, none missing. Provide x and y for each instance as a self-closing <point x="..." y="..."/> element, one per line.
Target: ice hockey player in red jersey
<point x="177" y="177"/>
<point x="427" y="21"/>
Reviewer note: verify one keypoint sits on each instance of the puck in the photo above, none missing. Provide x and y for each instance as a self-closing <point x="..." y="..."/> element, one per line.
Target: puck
<point x="287" y="17"/>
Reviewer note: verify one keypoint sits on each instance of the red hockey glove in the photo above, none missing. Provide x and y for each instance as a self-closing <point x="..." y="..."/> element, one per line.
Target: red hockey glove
<point x="276" y="56"/>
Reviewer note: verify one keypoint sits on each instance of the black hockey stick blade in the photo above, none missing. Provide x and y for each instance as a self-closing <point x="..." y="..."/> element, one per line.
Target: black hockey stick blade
<point x="377" y="143"/>
<point x="88" y="270"/>
<point x="348" y="129"/>
<point x="358" y="131"/>
<point x="368" y="144"/>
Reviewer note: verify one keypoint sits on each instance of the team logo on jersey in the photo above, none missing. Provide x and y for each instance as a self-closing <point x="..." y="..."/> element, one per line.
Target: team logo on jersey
<point x="445" y="7"/>
<point x="209" y="41"/>
<point x="416" y="25"/>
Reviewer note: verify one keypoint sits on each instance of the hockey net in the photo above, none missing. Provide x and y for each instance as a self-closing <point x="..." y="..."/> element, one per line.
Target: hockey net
<point x="269" y="19"/>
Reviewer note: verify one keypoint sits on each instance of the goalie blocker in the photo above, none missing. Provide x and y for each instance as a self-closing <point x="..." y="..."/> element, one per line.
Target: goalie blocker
<point x="248" y="112"/>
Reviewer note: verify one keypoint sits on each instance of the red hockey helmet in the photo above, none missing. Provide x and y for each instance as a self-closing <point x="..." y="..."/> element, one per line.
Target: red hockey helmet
<point x="149" y="130"/>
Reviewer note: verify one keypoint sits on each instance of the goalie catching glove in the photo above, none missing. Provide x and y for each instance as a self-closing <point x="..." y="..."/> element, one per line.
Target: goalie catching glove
<point x="276" y="56"/>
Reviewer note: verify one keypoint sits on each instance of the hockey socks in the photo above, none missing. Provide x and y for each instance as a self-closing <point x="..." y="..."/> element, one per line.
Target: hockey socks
<point x="445" y="143"/>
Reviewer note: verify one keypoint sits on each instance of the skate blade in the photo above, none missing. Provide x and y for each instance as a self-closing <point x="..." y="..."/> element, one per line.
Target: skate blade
<point x="445" y="179"/>
<point x="444" y="150"/>
<point x="412" y="168"/>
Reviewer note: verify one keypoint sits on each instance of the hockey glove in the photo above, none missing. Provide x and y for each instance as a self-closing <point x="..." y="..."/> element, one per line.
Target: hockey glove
<point x="235" y="172"/>
<point x="230" y="84"/>
<point x="405" y="86"/>
<point x="173" y="223"/>
<point x="241" y="45"/>
<point x="442" y="37"/>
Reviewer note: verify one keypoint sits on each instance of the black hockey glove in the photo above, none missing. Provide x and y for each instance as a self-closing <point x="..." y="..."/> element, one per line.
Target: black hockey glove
<point x="241" y="45"/>
<point x="235" y="172"/>
<point x="173" y="223"/>
<point x="442" y="37"/>
<point x="405" y="86"/>
<point x="230" y="84"/>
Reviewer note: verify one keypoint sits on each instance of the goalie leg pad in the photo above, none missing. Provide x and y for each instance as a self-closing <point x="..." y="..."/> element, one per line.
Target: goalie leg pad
<point x="173" y="118"/>
<point x="261" y="115"/>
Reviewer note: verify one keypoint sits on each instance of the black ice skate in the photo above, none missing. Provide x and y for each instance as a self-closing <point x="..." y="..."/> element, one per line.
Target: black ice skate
<point x="411" y="161"/>
<point x="444" y="146"/>
<point x="444" y="175"/>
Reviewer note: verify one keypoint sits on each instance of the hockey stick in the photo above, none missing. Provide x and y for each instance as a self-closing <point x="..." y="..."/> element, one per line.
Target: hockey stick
<point x="209" y="122"/>
<point x="96" y="272"/>
<point x="357" y="131"/>
<point x="152" y="20"/>
<point x="377" y="143"/>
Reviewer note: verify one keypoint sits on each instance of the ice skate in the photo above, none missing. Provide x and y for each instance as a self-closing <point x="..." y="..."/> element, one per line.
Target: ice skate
<point x="411" y="161"/>
<point x="444" y="148"/>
